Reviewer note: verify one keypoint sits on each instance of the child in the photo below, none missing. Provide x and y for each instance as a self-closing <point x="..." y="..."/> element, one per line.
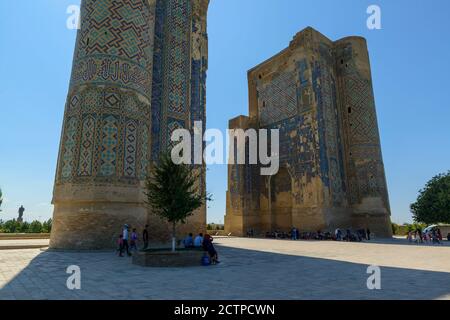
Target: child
<point x="120" y="244"/>
<point x="133" y="242"/>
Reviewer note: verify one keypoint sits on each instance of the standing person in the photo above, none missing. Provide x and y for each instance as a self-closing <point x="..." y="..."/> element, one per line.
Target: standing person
<point x="427" y="237"/>
<point x="420" y="234"/>
<point x="294" y="233"/>
<point x="120" y="245"/>
<point x="439" y="234"/>
<point x="145" y="237"/>
<point x="125" y="237"/>
<point x="133" y="241"/>
<point x="198" y="241"/>
<point x="435" y="237"/>
<point x="368" y="234"/>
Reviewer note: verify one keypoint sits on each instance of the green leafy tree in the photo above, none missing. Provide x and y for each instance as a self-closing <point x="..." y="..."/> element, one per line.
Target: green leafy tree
<point x="395" y="228"/>
<point x="47" y="226"/>
<point x="24" y="227"/>
<point x="433" y="203"/>
<point x="35" y="227"/>
<point x="1" y="200"/>
<point x="419" y="226"/>
<point x="14" y="226"/>
<point x="172" y="193"/>
<point x="11" y="226"/>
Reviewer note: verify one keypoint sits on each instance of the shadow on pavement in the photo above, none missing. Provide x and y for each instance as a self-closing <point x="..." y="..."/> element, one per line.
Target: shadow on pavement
<point x="243" y="274"/>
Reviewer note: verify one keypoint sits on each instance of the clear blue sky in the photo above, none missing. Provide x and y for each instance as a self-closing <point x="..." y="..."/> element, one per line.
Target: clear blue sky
<point x="410" y="65"/>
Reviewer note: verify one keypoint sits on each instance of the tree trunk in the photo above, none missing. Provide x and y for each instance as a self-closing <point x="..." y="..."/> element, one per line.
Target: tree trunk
<point x="174" y="238"/>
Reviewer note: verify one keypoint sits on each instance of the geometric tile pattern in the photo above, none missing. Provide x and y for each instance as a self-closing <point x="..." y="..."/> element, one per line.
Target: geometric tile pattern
<point x="112" y="100"/>
<point x="366" y="170"/>
<point x="144" y="159"/>
<point x="332" y="171"/>
<point x="113" y="132"/>
<point x="113" y="45"/>
<point x="173" y="124"/>
<point x="130" y="149"/>
<point x="109" y="146"/>
<point x="363" y="119"/>
<point x="131" y="74"/>
<point x="304" y="91"/>
<point x="177" y="64"/>
<point x="278" y="99"/>
<point x="87" y="146"/>
<point x="74" y="101"/>
<point x="179" y="71"/>
<point x="119" y="28"/>
<point x="92" y="98"/>
<point x="158" y="81"/>
<point x="69" y="147"/>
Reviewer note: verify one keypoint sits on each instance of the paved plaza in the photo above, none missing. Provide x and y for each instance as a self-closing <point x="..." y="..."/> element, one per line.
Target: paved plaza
<point x="250" y="269"/>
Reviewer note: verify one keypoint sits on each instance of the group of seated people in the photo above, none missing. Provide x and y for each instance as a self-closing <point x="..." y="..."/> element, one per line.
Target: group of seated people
<point x="278" y="235"/>
<point x="202" y="242"/>
<point x="339" y="235"/>
<point x="357" y="236"/>
<point x="433" y="236"/>
<point x="319" y="235"/>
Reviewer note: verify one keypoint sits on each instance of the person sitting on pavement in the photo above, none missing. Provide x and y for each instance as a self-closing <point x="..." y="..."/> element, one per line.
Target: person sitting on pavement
<point x="209" y="247"/>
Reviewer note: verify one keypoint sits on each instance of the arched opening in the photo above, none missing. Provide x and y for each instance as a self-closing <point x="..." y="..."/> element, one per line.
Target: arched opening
<point x="281" y="200"/>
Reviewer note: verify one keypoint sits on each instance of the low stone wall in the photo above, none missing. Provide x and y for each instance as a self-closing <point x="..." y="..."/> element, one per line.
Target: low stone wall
<point x="217" y="232"/>
<point x="166" y="258"/>
<point x="22" y="236"/>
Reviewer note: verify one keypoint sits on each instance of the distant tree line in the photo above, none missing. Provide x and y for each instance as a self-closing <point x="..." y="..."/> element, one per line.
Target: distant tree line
<point x="212" y="226"/>
<point x="14" y="226"/>
<point x="402" y="230"/>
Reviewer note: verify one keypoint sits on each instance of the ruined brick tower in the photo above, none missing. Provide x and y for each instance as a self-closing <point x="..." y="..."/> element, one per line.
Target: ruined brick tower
<point x="139" y="72"/>
<point x="319" y="94"/>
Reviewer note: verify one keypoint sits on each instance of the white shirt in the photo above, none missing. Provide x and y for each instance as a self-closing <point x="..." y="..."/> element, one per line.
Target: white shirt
<point x="125" y="234"/>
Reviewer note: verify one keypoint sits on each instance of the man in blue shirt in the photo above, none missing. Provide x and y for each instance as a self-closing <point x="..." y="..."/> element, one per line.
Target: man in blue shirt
<point x="125" y="235"/>
<point x="198" y="240"/>
<point x="188" y="241"/>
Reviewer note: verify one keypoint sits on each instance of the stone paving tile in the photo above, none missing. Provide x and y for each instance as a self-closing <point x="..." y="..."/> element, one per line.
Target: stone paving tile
<point x="250" y="269"/>
<point x="23" y="243"/>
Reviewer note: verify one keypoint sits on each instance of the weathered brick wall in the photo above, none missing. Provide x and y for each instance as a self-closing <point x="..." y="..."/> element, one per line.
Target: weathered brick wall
<point x="130" y="88"/>
<point x="367" y="192"/>
<point x="303" y="92"/>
